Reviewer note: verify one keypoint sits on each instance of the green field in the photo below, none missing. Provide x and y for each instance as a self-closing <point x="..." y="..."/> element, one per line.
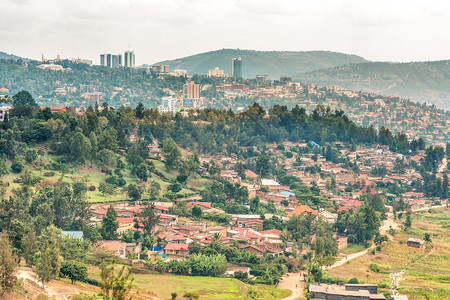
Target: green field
<point x="162" y="285"/>
<point x="425" y="272"/>
<point x="353" y="248"/>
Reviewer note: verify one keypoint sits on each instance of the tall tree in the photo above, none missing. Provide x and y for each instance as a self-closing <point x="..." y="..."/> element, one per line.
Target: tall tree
<point x="263" y="167"/>
<point x="116" y="285"/>
<point x="149" y="218"/>
<point x="50" y="262"/>
<point x="110" y="224"/>
<point x="172" y="153"/>
<point x="80" y="147"/>
<point x="8" y="265"/>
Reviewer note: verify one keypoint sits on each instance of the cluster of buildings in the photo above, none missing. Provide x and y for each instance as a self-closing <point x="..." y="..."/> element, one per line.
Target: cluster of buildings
<point x="188" y="99"/>
<point x="74" y="60"/>
<point x="128" y="60"/>
<point x="363" y="108"/>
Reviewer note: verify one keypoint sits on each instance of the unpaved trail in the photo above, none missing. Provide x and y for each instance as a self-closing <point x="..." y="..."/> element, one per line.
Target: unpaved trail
<point x="28" y="275"/>
<point x="294" y="283"/>
<point x="384" y="229"/>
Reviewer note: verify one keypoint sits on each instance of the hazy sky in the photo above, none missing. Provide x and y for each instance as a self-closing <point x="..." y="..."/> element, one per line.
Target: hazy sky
<point x="393" y="30"/>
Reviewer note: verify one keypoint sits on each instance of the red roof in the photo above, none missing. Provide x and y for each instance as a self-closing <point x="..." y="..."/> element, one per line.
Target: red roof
<point x="126" y="220"/>
<point x="175" y="246"/>
<point x="204" y="204"/>
<point x="112" y="245"/>
<point x="272" y="231"/>
<point x="250" y="174"/>
<point x="301" y="210"/>
<point x="247" y="234"/>
<point x="54" y="108"/>
<point x="100" y="212"/>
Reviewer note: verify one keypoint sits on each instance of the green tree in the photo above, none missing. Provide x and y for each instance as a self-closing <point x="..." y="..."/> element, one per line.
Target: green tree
<point x="196" y="212"/>
<point x="110" y="224"/>
<point x="116" y="285"/>
<point x="171" y="152"/>
<point x="74" y="270"/>
<point x="49" y="263"/>
<point x="195" y="247"/>
<point x="149" y="218"/>
<point x="24" y="105"/>
<point x="107" y="189"/>
<point x="142" y="172"/>
<point x="8" y="265"/>
<point x="263" y="166"/>
<point x="134" y="191"/>
<point x="30" y="246"/>
<point x="155" y="188"/>
<point x="80" y="147"/>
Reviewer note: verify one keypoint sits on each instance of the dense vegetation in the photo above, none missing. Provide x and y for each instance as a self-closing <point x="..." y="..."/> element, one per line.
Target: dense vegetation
<point x="422" y="81"/>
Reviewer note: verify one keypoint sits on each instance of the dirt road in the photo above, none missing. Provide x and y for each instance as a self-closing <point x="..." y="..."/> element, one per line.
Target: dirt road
<point x="384" y="229"/>
<point x="294" y="283"/>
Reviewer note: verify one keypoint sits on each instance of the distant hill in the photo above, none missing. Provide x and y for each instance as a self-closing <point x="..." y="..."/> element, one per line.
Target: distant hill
<point x="419" y="81"/>
<point x="272" y="63"/>
<point x="4" y="55"/>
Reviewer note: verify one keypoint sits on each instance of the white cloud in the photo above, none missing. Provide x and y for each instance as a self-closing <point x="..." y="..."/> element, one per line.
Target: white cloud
<point x="163" y="29"/>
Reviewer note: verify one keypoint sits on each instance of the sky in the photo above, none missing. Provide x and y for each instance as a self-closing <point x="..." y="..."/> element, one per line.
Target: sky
<point x="381" y="30"/>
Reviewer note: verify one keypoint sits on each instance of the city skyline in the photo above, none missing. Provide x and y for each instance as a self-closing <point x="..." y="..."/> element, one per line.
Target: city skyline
<point x="376" y="30"/>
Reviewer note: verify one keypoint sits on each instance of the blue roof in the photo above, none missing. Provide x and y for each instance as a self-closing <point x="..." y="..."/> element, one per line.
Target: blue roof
<point x="314" y="144"/>
<point x="74" y="234"/>
<point x="287" y="193"/>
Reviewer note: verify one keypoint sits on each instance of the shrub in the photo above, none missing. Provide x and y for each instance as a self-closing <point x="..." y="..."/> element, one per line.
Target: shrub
<point x="378" y="248"/>
<point x="373" y="251"/>
<point x="17" y="166"/>
<point x="354" y="280"/>
<point x="191" y="295"/>
<point x="374" y="268"/>
<point x="174" y="295"/>
<point x="367" y="244"/>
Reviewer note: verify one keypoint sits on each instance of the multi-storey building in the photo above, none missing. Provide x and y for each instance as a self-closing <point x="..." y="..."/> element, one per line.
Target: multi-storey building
<point x="236" y="67"/>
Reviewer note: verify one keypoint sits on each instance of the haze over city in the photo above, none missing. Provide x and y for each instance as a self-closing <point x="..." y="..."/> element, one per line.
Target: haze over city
<point x="158" y="30"/>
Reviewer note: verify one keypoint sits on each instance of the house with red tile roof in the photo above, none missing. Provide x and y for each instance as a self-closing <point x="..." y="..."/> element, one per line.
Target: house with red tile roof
<point x="118" y="247"/>
<point x="251" y="174"/>
<point x="265" y="247"/>
<point x="176" y="251"/>
<point x="245" y="235"/>
<point x="299" y="210"/>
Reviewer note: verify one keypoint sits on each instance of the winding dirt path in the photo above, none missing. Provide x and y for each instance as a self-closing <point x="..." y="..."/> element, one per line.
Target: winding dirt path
<point x="293" y="282"/>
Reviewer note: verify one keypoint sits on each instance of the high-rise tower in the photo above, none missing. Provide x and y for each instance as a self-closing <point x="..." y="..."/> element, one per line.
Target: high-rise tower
<point x="236" y="67"/>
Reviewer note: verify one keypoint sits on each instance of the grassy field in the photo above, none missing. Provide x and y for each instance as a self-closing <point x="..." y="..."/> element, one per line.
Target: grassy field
<point x="352" y="249"/>
<point x="425" y="272"/>
<point x="162" y="285"/>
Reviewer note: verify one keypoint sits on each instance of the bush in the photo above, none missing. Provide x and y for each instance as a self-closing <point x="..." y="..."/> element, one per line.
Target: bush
<point x="374" y="268"/>
<point x="379" y="248"/>
<point x="354" y="280"/>
<point x="91" y="281"/>
<point x="367" y="244"/>
<point x="191" y="295"/>
<point x="351" y="238"/>
<point x="17" y="166"/>
<point x="174" y="296"/>
<point x="373" y="251"/>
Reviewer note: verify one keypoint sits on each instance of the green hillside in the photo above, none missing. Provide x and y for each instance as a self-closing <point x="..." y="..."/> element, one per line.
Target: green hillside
<point x="272" y="63"/>
<point x="4" y="55"/>
<point x="422" y="81"/>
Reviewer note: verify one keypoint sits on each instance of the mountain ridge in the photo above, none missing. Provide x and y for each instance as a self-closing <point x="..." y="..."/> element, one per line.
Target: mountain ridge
<point x="427" y="81"/>
<point x="271" y="63"/>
